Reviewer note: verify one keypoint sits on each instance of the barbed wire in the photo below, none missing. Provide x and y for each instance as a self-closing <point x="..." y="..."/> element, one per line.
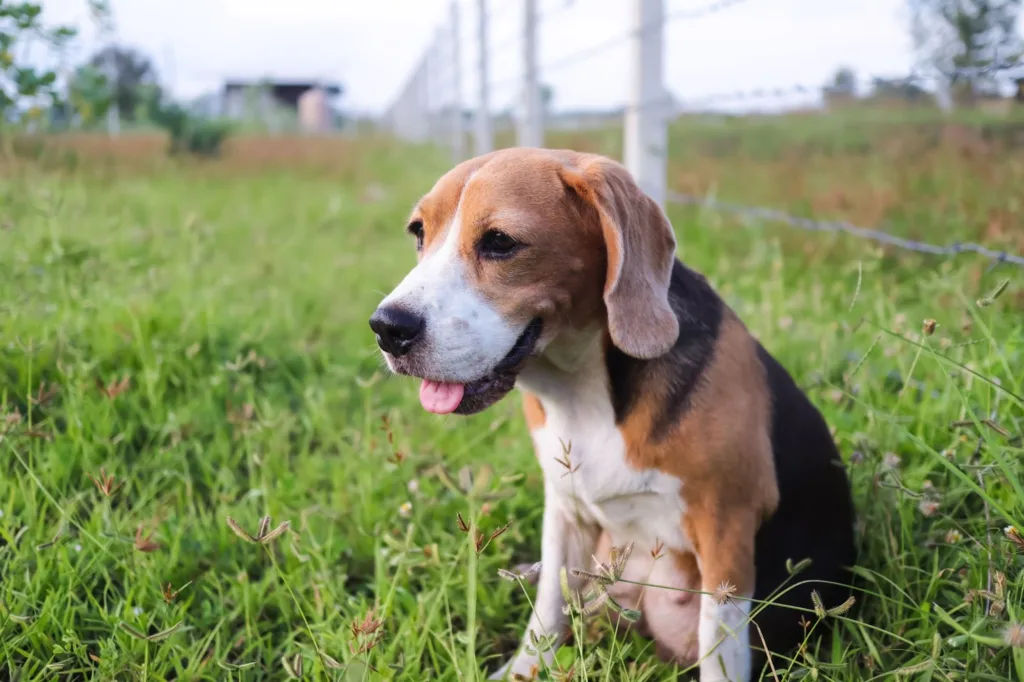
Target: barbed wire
<point x="821" y="90"/>
<point x="515" y="38"/>
<point x="701" y="12"/>
<point x="871" y="83"/>
<point x="841" y="226"/>
<point x="551" y="12"/>
<point x="863" y="86"/>
<point x="676" y="107"/>
<point x="779" y="91"/>
<point x="505" y="7"/>
<point x="851" y="86"/>
<point x="543" y="16"/>
<point x="588" y="52"/>
<point x="996" y="67"/>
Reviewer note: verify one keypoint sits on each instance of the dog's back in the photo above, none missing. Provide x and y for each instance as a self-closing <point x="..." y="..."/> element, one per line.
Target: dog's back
<point x="814" y="514"/>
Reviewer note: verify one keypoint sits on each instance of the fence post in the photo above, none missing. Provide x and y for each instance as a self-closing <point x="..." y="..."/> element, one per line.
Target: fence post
<point x="397" y="114"/>
<point x="437" y="87"/>
<point x="458" y="135"/>
<point x="422" y="89"/>
<point x="484" y="134"/>
<point x="646" y="134"/>
<point x="531" y="122"/>
<point x="409" y="113"/>
<point x="429" y="90"/>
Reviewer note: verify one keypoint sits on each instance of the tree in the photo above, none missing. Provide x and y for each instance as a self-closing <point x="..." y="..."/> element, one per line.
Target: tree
<point x="844" y="81"/>
<point x="842" y="89"/>
<point x="899" y="89"/>
<point x="129" y="73"/>
<point x="25" y="88"/>
<point x="190" y="133"/>
<point x="89" y="94"/>
<point x="967" y="43"/>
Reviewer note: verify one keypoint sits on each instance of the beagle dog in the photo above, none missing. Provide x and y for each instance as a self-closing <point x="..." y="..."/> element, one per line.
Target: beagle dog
<point x="658" y="420"/>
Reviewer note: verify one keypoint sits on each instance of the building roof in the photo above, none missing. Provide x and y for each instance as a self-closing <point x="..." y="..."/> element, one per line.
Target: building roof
<point x="332" y="89"/>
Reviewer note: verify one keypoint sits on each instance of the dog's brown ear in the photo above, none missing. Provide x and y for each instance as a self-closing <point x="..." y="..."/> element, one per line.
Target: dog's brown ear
<point x="641" y="251"/>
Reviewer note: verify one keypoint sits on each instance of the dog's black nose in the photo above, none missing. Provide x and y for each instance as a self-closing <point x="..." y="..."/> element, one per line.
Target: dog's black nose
<point x="397" y="330"/>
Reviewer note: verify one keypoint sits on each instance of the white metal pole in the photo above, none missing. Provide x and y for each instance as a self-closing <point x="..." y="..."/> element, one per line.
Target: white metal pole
<point x="407" y="104"/>
<point x="531" y="125"/>
<point x="646" y="134"/>
<point x="484" y="133"/>
<point x="427" y="91"/>
<point x="423" y="99"/>
<point x="458" y="135"/>
<point x="435" y="85"/>
<point x="397" y="115"/>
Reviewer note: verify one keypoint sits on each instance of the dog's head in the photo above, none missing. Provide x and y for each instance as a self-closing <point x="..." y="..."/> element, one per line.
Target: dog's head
<point x="514" y="248"/>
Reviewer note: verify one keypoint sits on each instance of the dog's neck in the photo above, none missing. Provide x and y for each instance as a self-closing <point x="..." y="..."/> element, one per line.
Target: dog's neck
<point x="575" y="354"/>
<point x="579" y="362"/>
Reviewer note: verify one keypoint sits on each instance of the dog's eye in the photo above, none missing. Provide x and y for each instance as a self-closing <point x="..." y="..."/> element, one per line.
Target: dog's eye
<point x="497" y="244"/>
<point x="415" y="228"/>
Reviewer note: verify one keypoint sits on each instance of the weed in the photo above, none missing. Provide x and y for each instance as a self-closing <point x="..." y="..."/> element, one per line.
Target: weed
<point x="200" y="329"/>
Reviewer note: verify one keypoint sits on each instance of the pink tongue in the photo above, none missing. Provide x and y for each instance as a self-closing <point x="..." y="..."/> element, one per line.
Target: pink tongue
<point x="440" y="398"/>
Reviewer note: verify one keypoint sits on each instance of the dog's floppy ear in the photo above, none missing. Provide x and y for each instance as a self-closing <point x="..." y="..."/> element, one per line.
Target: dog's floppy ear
<point x="641" y="251"/>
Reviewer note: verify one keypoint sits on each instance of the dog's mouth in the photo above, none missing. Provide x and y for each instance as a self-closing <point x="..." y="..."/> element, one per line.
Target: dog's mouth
<point x="448" y="398"/>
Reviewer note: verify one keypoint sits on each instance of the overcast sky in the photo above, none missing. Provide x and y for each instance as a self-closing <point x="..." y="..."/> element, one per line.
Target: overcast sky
<point x="371" y="46"/>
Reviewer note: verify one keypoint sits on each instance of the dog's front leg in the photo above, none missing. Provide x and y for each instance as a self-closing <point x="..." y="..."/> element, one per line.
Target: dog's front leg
<point x="728" y="575"/>
<point x="566" y="541"/>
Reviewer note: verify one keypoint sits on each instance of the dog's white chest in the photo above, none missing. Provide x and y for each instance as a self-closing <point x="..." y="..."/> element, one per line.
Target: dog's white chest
<point x="583" y="456"/>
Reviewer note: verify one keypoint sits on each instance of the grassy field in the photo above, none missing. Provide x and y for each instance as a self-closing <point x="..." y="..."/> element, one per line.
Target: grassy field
<point x="185" y="343"/>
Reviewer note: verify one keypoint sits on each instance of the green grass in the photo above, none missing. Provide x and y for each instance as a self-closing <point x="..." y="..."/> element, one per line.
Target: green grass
<point x="200" y="336"/>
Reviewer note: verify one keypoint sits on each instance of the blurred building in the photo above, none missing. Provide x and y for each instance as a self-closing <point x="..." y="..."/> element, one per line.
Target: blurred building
<point x="314" y="111"/>
<point x="279" y="105"/>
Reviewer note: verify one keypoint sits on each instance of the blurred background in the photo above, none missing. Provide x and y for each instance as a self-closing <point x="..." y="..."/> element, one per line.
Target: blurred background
<point x="206" y="472"/>
<point x="372" y="59"/>
<point x="652" y="83"/>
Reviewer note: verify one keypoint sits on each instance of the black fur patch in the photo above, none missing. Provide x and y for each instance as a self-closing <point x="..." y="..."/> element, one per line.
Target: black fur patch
<point x="678" y="372"/>
<point x="815" y="519"/>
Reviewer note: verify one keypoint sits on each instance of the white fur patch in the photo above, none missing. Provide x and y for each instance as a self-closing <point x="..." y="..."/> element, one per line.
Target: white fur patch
<point x="599" y="485"/>
<point x="724" y="640"/>
<point x="465" y="337"/>
<point x="591" y="486"/>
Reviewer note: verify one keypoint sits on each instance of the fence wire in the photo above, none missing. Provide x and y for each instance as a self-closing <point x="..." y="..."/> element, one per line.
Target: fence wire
<point x="837" y="226"/>
<point x="700" y="12"/>
<point x="416" y="105"/>
<point x="605" y="45"/>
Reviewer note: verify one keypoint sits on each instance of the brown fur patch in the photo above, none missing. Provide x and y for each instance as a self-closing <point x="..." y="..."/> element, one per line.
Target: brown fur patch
<point x="559" y="274"/>
<point x="562" y="259"/>
<point x="534" y="411"/>
<point x="722" y="452"/>
<point x="640" y="252"/>
<point x="437" y="208"/>
<point x="686" y="564"/>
